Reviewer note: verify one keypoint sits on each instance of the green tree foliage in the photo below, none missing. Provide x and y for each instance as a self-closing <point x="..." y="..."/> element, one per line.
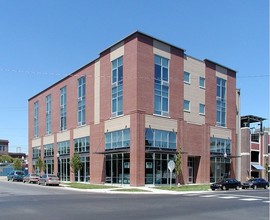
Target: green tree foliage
<point x="178" y="161"/>
<point x="40" y="164"/>
<point x="6" y="158"/>
<point x="17" y="164"/>
<point x="75" y="163"/>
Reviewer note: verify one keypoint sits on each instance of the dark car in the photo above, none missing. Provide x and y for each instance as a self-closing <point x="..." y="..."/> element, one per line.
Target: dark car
<point x="227" y="184"/>
<point x="255" y="183"/>
<point x="31" y="178"/>
<point x="15" y="175"/>
<point x="49" y="179"/>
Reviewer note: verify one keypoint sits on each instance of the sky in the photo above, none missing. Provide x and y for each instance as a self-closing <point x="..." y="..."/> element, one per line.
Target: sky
<point x="41" y="42"/>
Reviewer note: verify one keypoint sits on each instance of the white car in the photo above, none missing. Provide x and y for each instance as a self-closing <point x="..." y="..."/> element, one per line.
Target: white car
<point x="49" y="179"/>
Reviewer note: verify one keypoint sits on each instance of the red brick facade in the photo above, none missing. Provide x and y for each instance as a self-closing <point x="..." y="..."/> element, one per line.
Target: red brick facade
<point x="138" y="104"/>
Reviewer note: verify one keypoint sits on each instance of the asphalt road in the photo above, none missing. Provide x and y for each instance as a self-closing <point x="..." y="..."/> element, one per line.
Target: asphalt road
<point x="29" y="201"/>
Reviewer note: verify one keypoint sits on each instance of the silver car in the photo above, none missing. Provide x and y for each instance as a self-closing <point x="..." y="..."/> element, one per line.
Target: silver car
<point x="49" y="179"/>
<point x="31" y="178"/>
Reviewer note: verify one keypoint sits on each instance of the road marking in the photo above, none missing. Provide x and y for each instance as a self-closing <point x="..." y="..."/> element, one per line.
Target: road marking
<point x="249" y="199"/>
<point x="267" y="201"/>
<point x="228" y="197"/>
<point x="208" y="196"/>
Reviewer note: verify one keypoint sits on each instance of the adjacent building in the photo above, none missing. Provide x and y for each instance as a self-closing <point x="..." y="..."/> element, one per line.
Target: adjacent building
<point x="129" y="111"/>
<point x="3" y="147"/>
<point x="255" y="148"/>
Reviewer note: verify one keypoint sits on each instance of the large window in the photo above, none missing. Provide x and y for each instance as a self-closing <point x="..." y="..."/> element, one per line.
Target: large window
<point x="117" y="168"/>
<point x="221" y="102"/>
<point x="81" y="145"/>
<point x="160" y="138"/>
<point x="63" y="108"/>
<point x="63" y="147"/>
<point x="118" y="139"/>
<point x="156" y="168"/>
<point x="49" y="166"/>
<point x="36" y="122"/>
<point x="48" y="114"/>
<point x="81" y="101"/>
<point x="161" y="86"/>
<point x="48" y="150"/>
<point x="36" y="152"/>
<point x="220" y="152"/>
<point x="117" y="87"/>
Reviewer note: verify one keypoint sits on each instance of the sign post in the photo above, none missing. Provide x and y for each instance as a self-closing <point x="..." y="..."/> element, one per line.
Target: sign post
<point x="171" y="166"/>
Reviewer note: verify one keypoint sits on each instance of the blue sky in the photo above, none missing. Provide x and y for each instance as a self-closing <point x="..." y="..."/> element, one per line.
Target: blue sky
<point x="43" y="41"/>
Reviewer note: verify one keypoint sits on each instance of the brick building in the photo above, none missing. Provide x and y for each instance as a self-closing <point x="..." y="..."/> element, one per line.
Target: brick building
<point x="3" y="147"/>
<point x="128" y="112"/>
<point x="255" y="148"/>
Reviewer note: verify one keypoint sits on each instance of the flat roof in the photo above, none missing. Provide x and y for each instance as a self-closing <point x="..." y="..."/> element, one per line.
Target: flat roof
<point x="248" y="119"/>
<point x="130" y="35"/>
<point x="220" y="65"/>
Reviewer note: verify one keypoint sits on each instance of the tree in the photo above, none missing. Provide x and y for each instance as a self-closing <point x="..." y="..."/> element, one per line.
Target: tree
<point x="40" y="164"/>
<point x="266" y="168"/>
<point x="6" y="159"/>
<point x="178" y="161"/>
<point x="75" y="163"/>
<point x="17" y="164"/>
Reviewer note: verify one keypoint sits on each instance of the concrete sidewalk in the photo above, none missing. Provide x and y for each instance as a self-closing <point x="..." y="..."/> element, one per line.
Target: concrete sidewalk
<point x="125" y="189"/>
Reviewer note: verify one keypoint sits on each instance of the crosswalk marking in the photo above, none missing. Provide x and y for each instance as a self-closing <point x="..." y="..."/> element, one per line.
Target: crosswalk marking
<point x="249" y="199"/>
<point x="228" y="197"/>
<point x="208" y="196"/>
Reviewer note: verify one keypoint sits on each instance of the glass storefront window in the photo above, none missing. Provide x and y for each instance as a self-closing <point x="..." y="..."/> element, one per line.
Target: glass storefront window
<point x="118" y="168"/>
<point x="220" y="150"/>
<point x="160" y="139"/>
<point x="156" y="168"/>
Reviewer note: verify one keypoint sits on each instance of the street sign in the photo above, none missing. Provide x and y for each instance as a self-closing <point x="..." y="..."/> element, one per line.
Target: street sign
<point x="171" y="165"/>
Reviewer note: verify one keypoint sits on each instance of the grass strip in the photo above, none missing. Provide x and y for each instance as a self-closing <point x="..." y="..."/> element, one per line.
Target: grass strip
<point x="185" y="188"/>
<point x="88" y="186"/>
<point x="131" y="190"/>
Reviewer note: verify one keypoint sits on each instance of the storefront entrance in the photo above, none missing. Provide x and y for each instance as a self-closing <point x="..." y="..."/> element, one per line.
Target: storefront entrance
<point x="118" y="168"/>
<point x="156" y="168"/>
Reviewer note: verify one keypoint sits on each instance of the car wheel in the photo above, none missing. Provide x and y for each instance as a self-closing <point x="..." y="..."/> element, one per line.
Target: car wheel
<point x="237" y="188"/>
<point x="23" y="181"/>
<point x="265" y="187"/>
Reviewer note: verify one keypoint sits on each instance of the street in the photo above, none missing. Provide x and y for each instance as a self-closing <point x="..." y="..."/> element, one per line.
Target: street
<point x="30" y="201"/>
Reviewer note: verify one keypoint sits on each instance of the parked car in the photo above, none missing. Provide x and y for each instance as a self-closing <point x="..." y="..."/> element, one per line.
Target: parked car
<point x="15" y="175"/>
<point x="31" y="178"/>
<point x="227" y="184"/>
<point x="49" y="179"/>
<point x="255" y="183"/>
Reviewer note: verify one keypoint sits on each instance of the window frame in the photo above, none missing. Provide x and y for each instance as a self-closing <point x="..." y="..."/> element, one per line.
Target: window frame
<point x="186" y="73"/>
<point x="117" y="73"/>
<point x="187" y="102"/>
<point x="81" y="100"/>
<point x="161" y="86"/>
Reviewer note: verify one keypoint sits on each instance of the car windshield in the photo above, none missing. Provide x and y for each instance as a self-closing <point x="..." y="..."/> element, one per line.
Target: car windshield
<point x="20" y="173"/>
<point x="52" y="176"/>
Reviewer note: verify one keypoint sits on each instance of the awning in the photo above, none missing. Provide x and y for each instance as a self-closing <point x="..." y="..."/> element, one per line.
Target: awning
<point x="257" y="166"/>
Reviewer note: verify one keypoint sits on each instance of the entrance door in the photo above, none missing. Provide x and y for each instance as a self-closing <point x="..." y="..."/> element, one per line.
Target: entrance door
<point x="191" y="170"/>
<point x="190" y="175"/>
